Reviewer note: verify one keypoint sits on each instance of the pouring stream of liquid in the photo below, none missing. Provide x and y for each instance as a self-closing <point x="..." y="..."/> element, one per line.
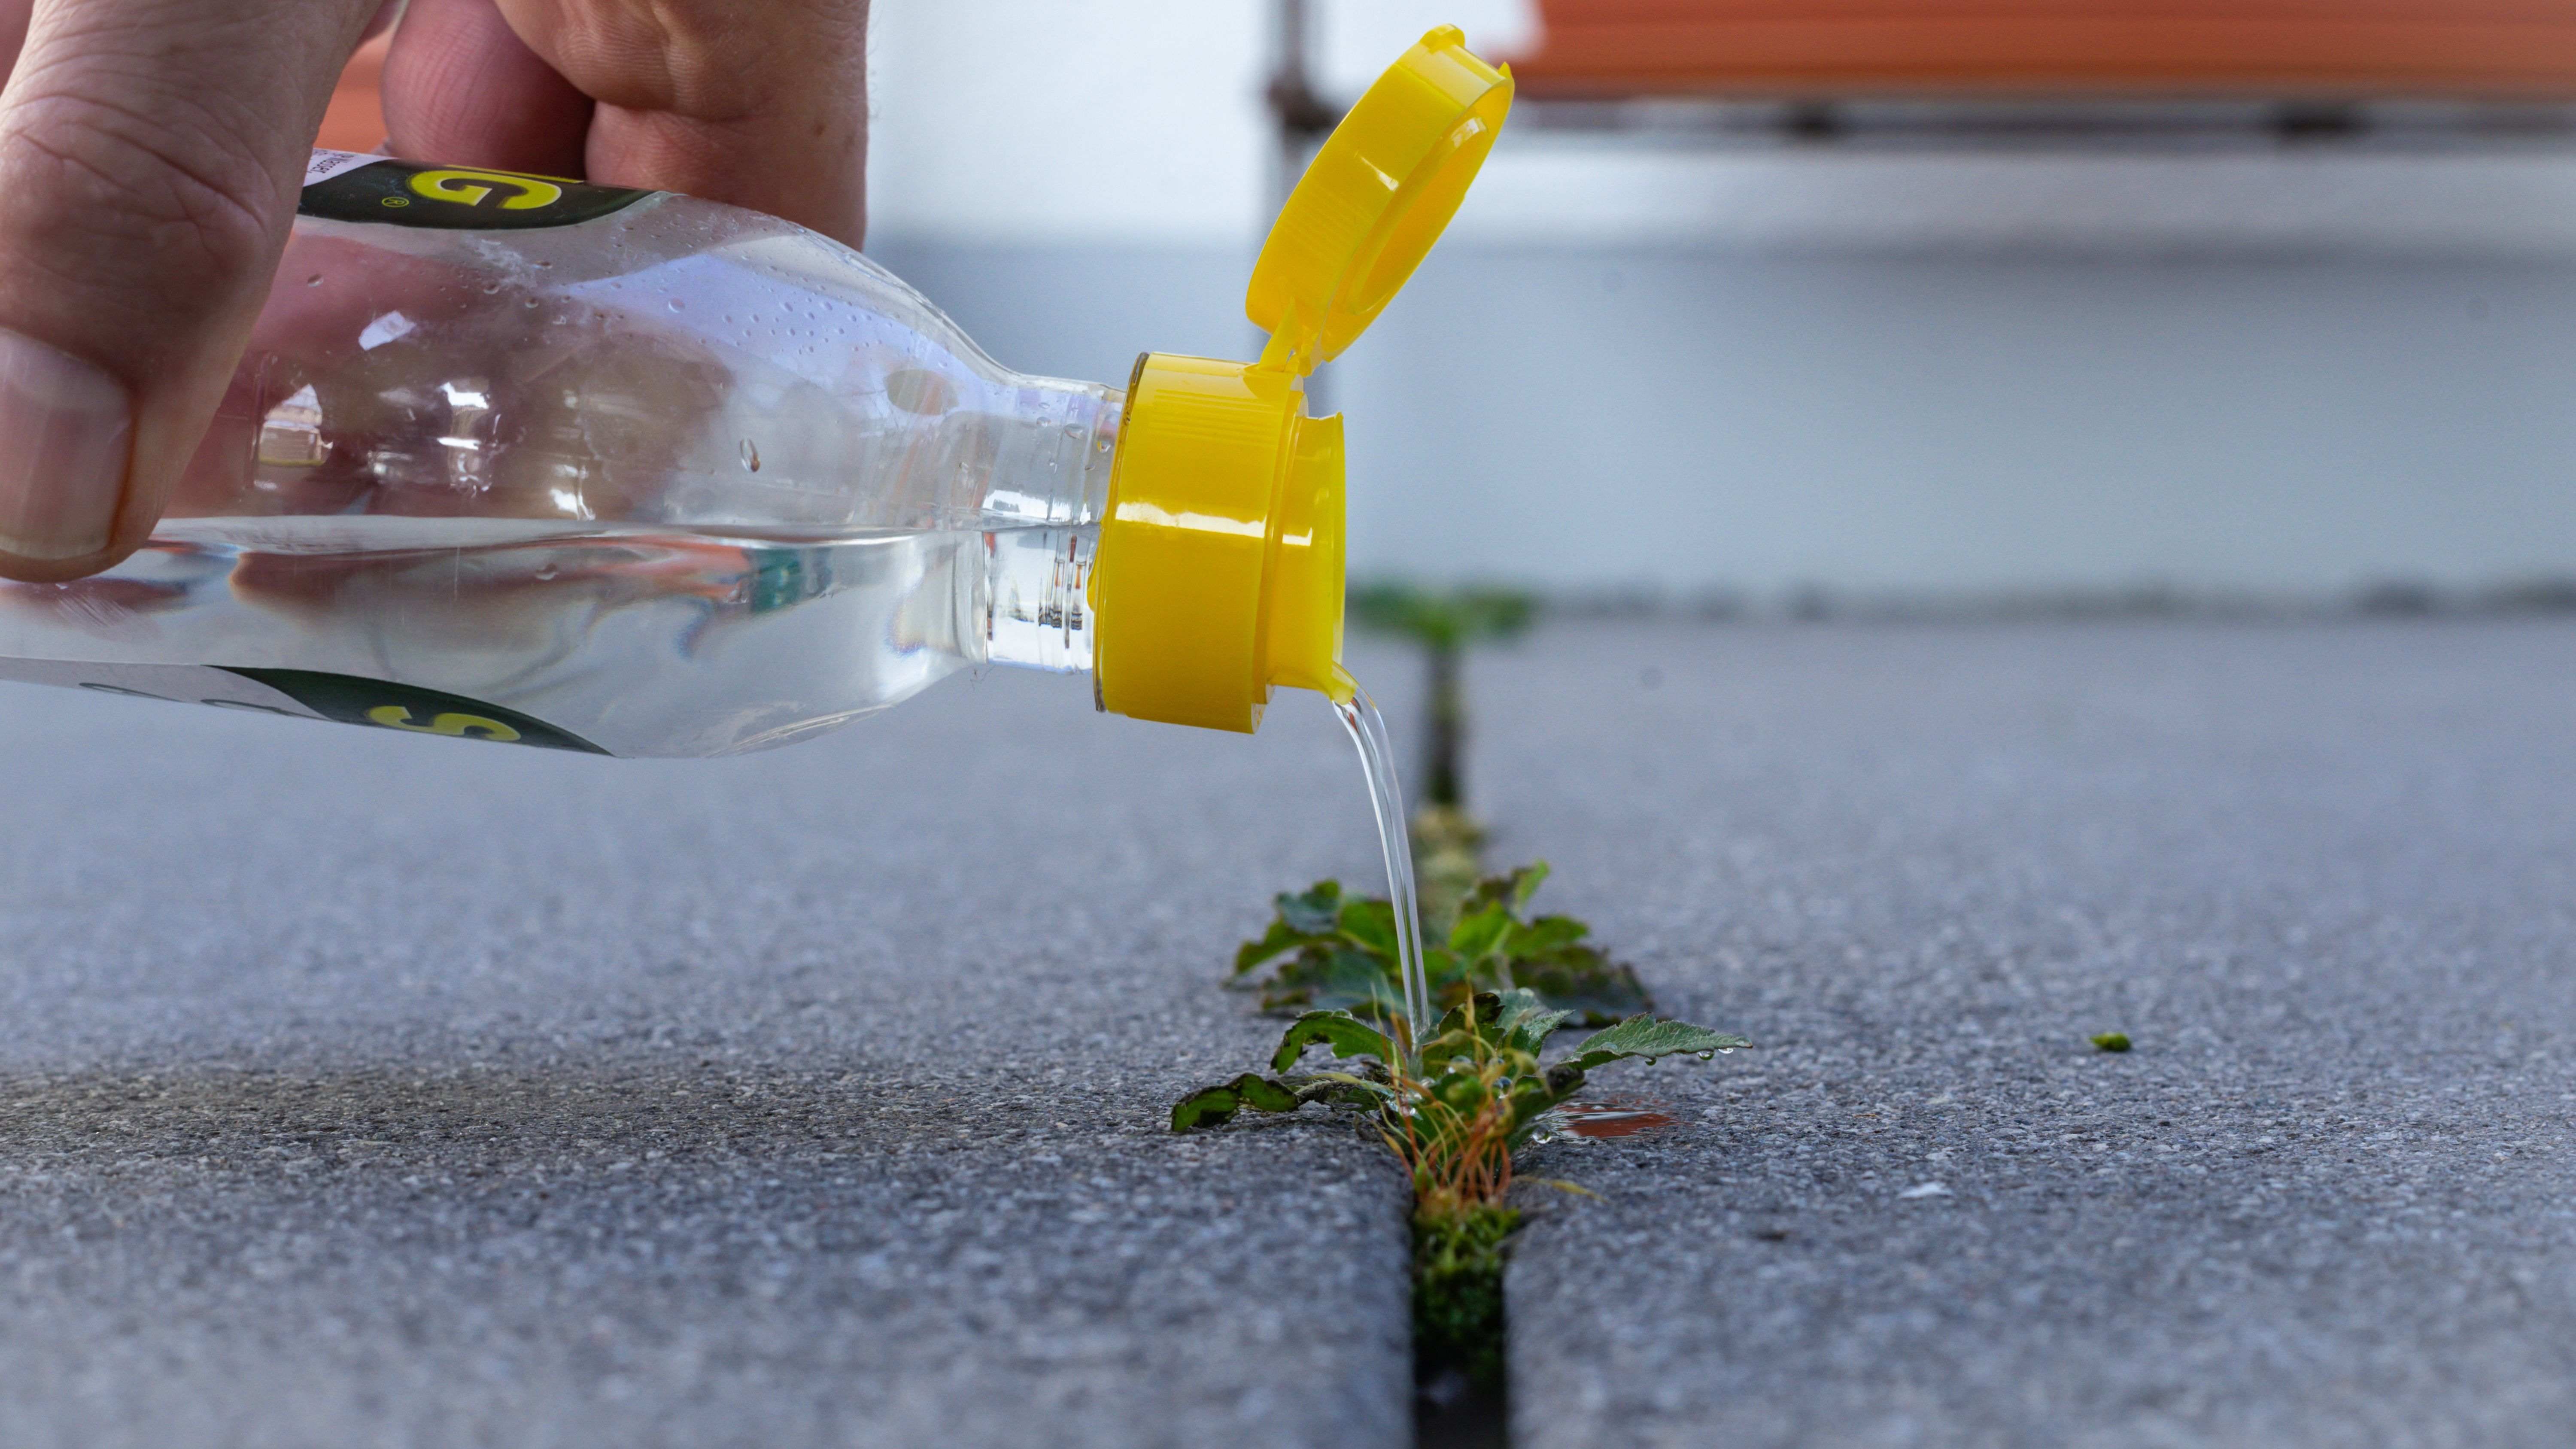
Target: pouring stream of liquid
<point x="1386" y="797"/>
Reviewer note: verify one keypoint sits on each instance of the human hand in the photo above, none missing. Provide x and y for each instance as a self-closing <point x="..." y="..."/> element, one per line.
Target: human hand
<point x="152" y="152"/>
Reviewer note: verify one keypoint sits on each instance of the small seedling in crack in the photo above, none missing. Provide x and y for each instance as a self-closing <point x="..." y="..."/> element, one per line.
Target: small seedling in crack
<point x="1444" y="623"/>
<point x="1456" y="1115"/>
<point x="1329" y="952"/>
<point x="1448" y="843"/>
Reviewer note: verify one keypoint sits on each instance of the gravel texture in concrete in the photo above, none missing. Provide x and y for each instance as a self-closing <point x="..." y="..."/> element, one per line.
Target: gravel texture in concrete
<point x="365" y="1090"/>
<point x="2323" y="876"/>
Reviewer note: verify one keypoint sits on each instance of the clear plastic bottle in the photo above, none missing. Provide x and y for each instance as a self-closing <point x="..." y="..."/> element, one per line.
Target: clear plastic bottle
<point x="676" y="479"/>
<point x="524" y="459"/>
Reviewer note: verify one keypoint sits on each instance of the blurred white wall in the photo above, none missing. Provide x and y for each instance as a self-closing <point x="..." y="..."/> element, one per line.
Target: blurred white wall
<point x="1106" y="120"/>
<point x="2275" y="371"/>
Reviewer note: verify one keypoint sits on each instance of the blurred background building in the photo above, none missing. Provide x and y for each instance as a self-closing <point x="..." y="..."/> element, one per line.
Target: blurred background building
<point x="2256" y="300"/>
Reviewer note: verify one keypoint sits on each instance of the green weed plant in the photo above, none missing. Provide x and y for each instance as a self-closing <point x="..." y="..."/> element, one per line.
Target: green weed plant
<point x="1456" y="1114"/>
<point x="1326" y="951"/>
<point x="1456" y="1111"/>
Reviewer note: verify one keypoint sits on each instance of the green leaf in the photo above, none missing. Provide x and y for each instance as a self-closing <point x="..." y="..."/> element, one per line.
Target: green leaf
<point x="1353" y="978"/>
<point x="1213" y="1106"/>
<point x="1346" y="1034"/>
<point x="1341" y="1089"/>
<point x="1582" y="980"/>
<point x="1371" y="924"/>
<point x="1207" y="1107"/>
<point x="1526" y="881"/>
<point x="1296" y="980"/>
<point x="1511" y="891"/>
<point x="1461" y="1092"/>
<point x="1482" y="933"/>
<point x="1280" y="939"/>
<point x="1533" y="1098"/>
<point x="1547" y="933"/>
<point x="1473" y="1016"/>
<point x="1302" y="921"/>
<point x="1448" y="1046"/>
<point x="1331" y="978"/>
<point x="1492" y="890"/>
<point x="1650" y="1037"/>
<point x="2112" y="1041"/>
<point x="1317" y="912"/>
<point x="1308" y="970"/>
<point x="1526" y="1022"/>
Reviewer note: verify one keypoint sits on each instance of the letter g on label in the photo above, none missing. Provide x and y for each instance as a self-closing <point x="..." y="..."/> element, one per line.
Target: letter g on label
<point x="461" y="726"/>
<point x="474" y="188"/>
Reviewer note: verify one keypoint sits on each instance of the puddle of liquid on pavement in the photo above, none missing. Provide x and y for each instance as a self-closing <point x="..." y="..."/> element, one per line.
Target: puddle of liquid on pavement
<point x="1386" y="797"/>
<point x="1613" y="1118"/>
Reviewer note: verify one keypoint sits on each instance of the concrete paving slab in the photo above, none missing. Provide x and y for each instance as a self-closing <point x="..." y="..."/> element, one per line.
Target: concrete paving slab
<point x="2324" y="876"/>
<point x="365" y="1090"/>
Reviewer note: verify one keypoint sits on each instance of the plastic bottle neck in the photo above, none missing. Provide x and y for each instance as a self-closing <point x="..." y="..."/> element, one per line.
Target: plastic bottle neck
<point x="1034" y="606"/>
<point x="1053" y="458"/>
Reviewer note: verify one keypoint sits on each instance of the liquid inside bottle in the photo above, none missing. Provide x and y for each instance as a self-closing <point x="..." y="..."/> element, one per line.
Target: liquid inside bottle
<point x="670" y="478"/>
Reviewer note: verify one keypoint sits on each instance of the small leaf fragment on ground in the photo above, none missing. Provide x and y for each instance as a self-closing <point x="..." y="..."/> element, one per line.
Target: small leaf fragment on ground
<point x="2112" y="1041"/>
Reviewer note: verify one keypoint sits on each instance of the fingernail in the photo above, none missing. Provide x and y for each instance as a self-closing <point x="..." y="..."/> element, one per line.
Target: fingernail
<point x="64" y="431"/>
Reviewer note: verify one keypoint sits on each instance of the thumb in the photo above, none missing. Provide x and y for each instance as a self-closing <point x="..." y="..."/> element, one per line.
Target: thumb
<point x="150" y="157"/>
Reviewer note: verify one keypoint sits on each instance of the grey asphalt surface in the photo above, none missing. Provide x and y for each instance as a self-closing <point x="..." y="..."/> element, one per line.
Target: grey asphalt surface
<point x="2323" y="875"/>
<point x="365" y="1090"/>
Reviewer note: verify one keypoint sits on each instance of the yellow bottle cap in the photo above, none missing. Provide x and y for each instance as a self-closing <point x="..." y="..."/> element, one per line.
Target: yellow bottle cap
<point x="1219" y="572"/>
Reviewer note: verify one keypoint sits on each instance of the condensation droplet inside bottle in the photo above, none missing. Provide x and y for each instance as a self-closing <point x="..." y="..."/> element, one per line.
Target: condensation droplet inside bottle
<point x="313" y="281"/>
<point x="750" y="456"/>
<point x="676" y="305"/>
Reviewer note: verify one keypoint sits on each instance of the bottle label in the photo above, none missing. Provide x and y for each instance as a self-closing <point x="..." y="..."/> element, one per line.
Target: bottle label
<point x="344" y="186"/>
<point x="308" y="694"/>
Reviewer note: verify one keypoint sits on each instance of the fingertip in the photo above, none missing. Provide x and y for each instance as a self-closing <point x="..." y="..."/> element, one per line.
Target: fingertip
<point x="20" y="569"/>
<point x="151" y="157"/>
<point x="66" y="439"/>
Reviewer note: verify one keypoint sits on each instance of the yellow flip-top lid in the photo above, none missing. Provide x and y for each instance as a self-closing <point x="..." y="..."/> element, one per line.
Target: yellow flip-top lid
<point x="1220" y="567"/>
<point x="1375" y="198"/>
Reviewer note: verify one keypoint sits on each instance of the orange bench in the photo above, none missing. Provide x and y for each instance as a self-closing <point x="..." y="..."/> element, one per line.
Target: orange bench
<point x="2271" y="49"/>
